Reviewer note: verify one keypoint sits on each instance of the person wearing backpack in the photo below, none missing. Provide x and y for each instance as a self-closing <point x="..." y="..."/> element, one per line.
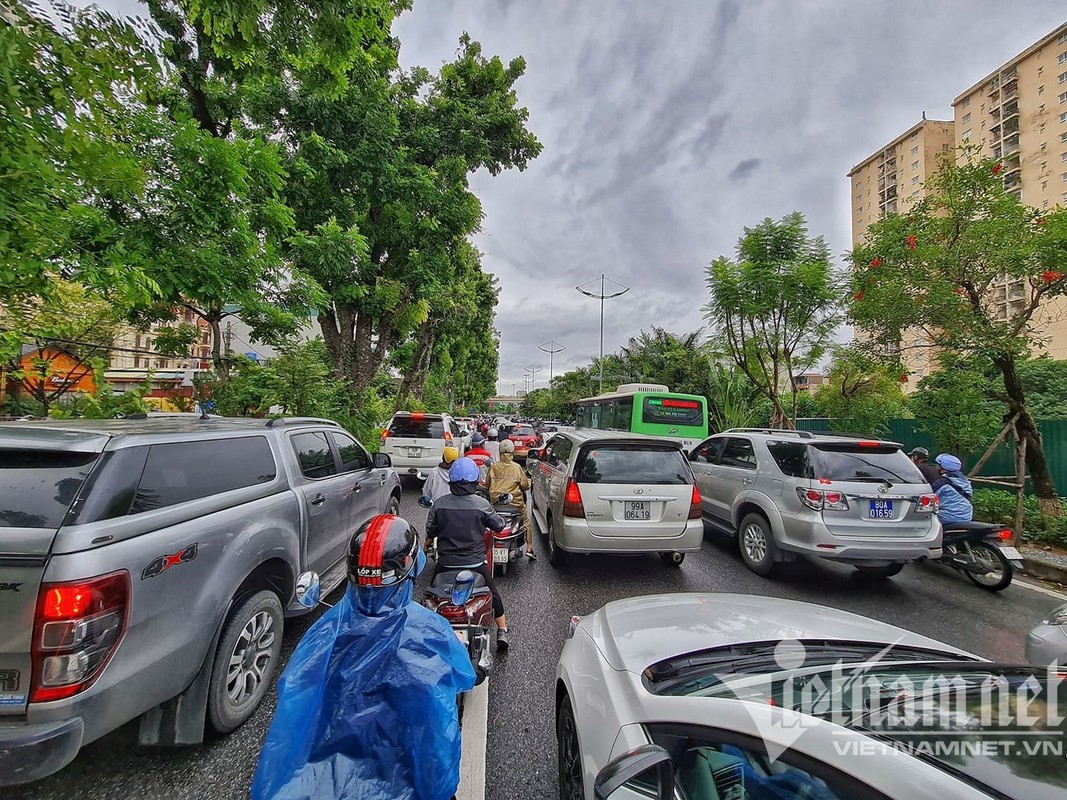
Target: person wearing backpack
<point x="954" y="491"/>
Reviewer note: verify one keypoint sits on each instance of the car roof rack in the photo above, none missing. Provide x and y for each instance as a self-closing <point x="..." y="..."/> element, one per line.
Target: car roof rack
<point x="776" y="431"/>
<point x="279" y="422"/>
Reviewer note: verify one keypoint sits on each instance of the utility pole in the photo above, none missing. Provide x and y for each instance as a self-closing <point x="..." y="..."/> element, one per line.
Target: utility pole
<point x="533" y="369"/>
<point x="551" y="347"/>
<point x="602" y="296"/>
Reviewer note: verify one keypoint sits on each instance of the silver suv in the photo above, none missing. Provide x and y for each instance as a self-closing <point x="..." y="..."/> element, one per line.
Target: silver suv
<point x="782" y="493"/>
<point x="146" y="567"/>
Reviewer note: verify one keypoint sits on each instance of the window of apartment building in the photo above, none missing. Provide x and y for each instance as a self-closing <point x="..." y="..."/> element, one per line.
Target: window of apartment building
<point x="1064" y="197"/>
<point x="1063" y="136"/>
<point x="1063" y="77"/>
<point x="1063" y="177"/>
<point x="915" y="150"/>
<point x="914" y="164"/>
<point x="1061" y="38"/>
<point x="966" y="102"/>
<point x="915" y="135"/>
<point x="1063" y="117"/>
<point x="1062" y="58"/>
<point x="914" y="180"/>
<point x="966" y="118"/>
<point x="1041" y="89"/>
<point x="1063" y="97"/>
<point x="1063" y="156"/>
<point x="945" y="148"/>
<point x="966" y="137"/>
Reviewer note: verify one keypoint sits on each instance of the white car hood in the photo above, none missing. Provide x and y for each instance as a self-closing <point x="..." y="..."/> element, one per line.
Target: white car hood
<point x="635" y="633"/>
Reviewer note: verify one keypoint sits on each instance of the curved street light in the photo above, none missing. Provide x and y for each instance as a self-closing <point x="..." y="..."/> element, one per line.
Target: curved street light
<point x="602" y="296"/>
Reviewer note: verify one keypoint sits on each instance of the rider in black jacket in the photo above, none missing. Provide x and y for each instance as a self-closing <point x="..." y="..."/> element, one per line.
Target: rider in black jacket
<point x="458" y="522"/>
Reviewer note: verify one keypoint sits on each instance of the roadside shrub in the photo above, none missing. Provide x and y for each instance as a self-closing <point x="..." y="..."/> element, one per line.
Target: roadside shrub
<point x="997" y="505"/>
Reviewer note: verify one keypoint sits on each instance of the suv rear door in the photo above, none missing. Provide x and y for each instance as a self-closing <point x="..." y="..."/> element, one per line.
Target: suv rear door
<point x="40" y="477"/>
<point x="416" y="435"/>
<point x="734" y="472"/>
<point x="634" y="488"/>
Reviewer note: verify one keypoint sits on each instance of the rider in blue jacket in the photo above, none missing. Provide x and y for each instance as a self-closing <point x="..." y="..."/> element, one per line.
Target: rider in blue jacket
<point x="953" y="490"/>
<point x="367" y="706"/>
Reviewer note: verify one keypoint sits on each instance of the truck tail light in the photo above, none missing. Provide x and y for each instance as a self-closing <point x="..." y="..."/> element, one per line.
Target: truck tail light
<point x="572" y="500"/>
<point x="928" y="504"/>
<point x="76" y="630"/>
<point x="385" y="435"/>
<point x="822" y="499"/>
<point x="694" y="504"/>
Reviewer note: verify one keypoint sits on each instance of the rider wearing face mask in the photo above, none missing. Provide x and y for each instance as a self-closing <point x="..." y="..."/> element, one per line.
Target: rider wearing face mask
<point x="367" y="705"/>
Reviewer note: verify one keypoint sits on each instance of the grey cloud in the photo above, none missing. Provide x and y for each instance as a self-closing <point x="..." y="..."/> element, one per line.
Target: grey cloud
<point x="744" y="169"/>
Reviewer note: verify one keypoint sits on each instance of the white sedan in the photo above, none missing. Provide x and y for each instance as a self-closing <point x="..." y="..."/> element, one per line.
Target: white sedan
<point x="736" y="697"/>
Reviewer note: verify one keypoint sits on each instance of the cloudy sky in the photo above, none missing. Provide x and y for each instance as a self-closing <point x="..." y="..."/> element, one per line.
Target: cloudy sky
<point x="670" y="125"/>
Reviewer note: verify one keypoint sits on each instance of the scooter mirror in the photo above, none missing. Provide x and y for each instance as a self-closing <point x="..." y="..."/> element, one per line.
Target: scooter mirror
<point x="462" y="588"/>
<point x="308" y="589"/>
<point x="425" y="501"/>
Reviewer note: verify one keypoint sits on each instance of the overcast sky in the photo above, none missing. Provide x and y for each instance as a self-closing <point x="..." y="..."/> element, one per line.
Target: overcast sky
<point x="669" y="126"/>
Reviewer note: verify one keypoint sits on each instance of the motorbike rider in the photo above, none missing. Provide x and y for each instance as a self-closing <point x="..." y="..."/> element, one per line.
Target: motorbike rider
<point x="507" y="477"/>
<point x="920" y="457"/>
<point x="367" y="705"/>
<point x="436" y="484"/>
<point x="492" y="446"/>
<point x="458" y="522"/>
<point x="479" y="455"/>
<point x="954" y="491"/>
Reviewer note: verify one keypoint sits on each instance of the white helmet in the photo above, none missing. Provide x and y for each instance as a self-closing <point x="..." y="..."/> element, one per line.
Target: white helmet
<point x="507" y="446"/>
<point x="493" y="433"/>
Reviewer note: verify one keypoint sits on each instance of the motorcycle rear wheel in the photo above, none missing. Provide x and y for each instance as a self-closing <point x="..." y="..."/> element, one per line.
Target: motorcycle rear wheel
<point x="997" y="572"/>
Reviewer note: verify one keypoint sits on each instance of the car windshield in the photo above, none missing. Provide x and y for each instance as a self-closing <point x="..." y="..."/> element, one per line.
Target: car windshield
<point x="998" y="728"/>
<point x="631" y="463"/>
<point x="875" y="462"/>
<point x="38" y="486"/>
<point x="417" y="427"/>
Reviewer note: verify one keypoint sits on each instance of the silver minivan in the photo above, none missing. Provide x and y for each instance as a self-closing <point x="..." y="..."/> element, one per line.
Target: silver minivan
<point x="607" y="492"/>
<point x="840" y="498"/>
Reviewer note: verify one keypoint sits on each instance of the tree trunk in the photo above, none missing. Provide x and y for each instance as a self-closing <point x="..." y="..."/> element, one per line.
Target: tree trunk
<point x="354" y="349"/>
<point x="336" y="324"/>
<point x="218" y="360"/>
<point x="1036" y="465"/>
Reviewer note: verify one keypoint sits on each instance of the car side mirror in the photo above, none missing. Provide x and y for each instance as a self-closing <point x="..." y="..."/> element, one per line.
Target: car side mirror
<point x="308" y="589"/>
<point x="382" y="461"/>
<point x="648" y="758"/>
<point x="534" y="455"/>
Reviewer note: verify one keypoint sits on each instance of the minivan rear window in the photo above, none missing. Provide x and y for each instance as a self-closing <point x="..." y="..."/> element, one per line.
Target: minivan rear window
<point x="38" y="486"/>
<point x="417" y="427"/>
<point x="631" y="463"/>
<point x="852" y="462"/>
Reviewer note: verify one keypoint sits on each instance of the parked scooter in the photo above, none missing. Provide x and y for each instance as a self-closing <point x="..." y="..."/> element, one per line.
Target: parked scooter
<point x="980" y="551"/>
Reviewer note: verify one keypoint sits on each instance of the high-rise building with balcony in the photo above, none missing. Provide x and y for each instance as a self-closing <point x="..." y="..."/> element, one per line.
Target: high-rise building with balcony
<point x="1018" y="114"/>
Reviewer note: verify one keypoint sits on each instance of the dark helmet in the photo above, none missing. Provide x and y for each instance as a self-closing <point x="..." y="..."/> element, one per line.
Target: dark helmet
<point x="384" y="552"/>
<point x="920" y="453"/>
<point x="477" y="440"/>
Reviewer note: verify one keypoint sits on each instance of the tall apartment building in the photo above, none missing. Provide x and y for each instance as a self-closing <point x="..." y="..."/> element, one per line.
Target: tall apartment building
<point x="1018" y="113"/>
<point x="891" y="179"/>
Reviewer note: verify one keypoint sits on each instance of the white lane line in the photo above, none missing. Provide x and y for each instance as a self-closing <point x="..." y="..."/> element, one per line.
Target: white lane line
<point x="475" y="731"/>
<point x="1036" y="587"/>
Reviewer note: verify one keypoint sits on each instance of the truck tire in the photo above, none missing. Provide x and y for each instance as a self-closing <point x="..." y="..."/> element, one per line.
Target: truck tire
<point x="247" y="656"/>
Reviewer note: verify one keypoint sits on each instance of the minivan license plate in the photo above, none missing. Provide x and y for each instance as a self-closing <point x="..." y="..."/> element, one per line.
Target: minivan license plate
<point x="414" y="452"/>
<point x="636" y="510"/>
<point x="881" y="509"/>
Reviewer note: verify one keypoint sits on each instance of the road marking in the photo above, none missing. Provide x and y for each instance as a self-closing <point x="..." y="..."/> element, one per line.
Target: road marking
<point x="475" y="731"/>
<point x="1036" y="587"/>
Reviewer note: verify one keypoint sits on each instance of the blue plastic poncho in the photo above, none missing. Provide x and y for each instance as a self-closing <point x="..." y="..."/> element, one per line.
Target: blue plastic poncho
<point x="367" y="705"/>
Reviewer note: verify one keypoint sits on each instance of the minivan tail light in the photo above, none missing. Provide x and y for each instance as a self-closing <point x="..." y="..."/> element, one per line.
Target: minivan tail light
<point x="694" y="504"/>
<point x="928" y="503"/>
<point x="76" y="630"/>
<point x="385" y="435"/>
<point x="572" y="500"/>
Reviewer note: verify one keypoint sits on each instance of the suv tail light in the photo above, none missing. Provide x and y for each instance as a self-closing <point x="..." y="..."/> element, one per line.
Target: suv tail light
<point x="76" y="630"/>
<point x="927" y="503"/>
<point x="823" y="499"/>
<point x="572" y="500"/>
<point x="385" y="435"/>
<point x="694" y="504"/>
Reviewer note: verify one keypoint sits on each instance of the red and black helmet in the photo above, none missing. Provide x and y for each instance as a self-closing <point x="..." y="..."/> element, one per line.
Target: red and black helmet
<point x="383" y="552"/>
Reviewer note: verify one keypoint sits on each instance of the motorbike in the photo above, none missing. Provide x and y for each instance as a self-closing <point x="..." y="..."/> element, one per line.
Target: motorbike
<point x="508" y="544"/>
<point x="980" y="551"/>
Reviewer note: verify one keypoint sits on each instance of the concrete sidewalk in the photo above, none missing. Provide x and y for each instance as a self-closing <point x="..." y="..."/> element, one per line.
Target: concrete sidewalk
<point x="475" y="726"/>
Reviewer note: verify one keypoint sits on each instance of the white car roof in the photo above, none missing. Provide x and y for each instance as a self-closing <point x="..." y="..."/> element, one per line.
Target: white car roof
<point x="635" y="633"/>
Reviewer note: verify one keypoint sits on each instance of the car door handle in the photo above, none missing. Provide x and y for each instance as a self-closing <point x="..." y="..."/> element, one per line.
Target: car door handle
<point x="358" y="488"/>
<point x="318" y="500"/>
<point x="383" y="479"/>
<point x="748" y="481"/>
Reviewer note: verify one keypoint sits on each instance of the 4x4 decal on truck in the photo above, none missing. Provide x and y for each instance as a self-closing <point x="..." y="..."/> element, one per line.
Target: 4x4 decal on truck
<point x="163" y="563"/>
<point x="9" y="587"/>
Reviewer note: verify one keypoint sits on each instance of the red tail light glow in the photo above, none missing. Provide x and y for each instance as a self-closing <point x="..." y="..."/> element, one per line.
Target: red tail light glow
<point x="1004" y="535"/>
<point x="694" y="504"/>
<point x="572" y="500"/>
<point x="928" y="503"/>
<point x="77" y="629"/>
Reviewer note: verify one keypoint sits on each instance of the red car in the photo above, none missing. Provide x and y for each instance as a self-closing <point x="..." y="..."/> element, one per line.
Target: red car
<point x="525" y="439"/>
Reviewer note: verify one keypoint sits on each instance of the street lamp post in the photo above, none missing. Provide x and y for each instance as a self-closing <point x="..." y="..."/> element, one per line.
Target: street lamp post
<point x="602" y="296"/>
<point x="551" y="347"/>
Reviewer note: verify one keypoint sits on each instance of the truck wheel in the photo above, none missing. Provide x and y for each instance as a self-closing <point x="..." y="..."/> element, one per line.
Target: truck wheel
<point x="393" y="507"/>
<point x="247" y="655"/>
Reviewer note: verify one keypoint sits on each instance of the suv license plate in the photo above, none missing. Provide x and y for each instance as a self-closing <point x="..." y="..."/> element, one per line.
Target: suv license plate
<point x="414" y="452"/>
<point x="881" y="509"/>
<point x="636" y="510"/>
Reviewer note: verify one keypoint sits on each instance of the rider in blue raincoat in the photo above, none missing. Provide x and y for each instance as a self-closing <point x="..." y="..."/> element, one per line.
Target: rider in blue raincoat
<point x="367" y="706"/>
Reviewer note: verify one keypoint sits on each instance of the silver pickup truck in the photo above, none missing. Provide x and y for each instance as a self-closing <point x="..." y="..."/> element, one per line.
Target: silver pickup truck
<point x="147" y="567"/>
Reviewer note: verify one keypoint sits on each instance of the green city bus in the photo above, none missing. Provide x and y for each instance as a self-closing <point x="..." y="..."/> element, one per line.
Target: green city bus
<point x="651" y="409"/>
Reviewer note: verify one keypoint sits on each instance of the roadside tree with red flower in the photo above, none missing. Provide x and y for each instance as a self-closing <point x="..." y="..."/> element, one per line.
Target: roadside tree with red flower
<point x="975" y="236"/>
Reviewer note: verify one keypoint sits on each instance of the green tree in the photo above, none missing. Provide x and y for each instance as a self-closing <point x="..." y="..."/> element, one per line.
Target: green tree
<point x="679" y="362"/>
<point x="731" y="399"/>
<point x="862" y="393"/>
<point x="774" y="307"/>
<point x="954" y="406"/>
<point x="306" y="384"/>
<point x="1044" y="380"/>
<point x="66" y="78"/>
<point x="940" y="268"/>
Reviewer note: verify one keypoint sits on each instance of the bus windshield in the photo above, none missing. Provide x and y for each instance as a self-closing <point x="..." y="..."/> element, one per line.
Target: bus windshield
<point x="681" y="417"/>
